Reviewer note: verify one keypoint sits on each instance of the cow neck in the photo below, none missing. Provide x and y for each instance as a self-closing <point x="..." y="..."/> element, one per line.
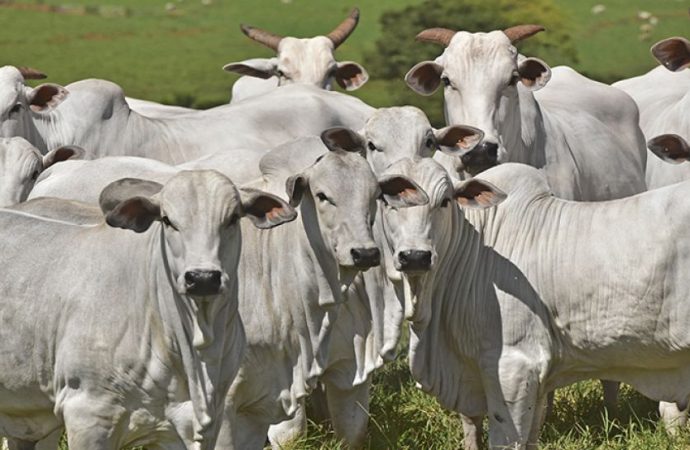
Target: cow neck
<point x="522" y="129"/>
<point x="45" y="132"/>
<point x="444" y="327"/>
<point x="208" y="371"/>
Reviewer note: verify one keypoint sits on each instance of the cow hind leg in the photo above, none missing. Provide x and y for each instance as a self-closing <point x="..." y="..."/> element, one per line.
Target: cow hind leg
<point x="472" y="430"/>
<point x="672" y="417"/>
<point x="289" y="430"/>
<point x="349" y="411"/>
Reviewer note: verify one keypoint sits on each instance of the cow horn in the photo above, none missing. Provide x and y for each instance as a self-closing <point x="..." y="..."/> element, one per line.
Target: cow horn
<point x="436" y="35"/>
<point x="264" y="37"/>
<point x="345" y="29"/>
<point x="31" y="74"/>
<point x="520" y="32"/>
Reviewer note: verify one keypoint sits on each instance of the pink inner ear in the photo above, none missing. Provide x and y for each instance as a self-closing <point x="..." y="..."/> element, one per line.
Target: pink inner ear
<point x="45" y="96"/>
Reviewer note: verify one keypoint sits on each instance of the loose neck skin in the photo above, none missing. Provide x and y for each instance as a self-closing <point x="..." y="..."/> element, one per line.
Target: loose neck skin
<point x="208" y="371"/>
<point x="297" y="294"/>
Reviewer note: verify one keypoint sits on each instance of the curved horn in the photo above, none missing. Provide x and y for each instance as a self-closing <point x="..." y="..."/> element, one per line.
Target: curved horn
<point x="264" y="37"/>
<point x="520" y="32"/>
<point x="436" y="35"/>
<point x="31" y="74"/>
<point x="345" y="29"/>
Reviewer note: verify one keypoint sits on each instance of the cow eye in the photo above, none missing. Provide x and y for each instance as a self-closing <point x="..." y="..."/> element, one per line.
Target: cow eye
<point x="16" y="108"/>
<point x="35" y="175"/>
<point x="167" y="222"/>
<point x="233" y="220"/>
<point x="280" y="73"/>
<point x="446" y="81"/>
<point x="445" y="202"/>
<point x="371" y="146"/>
<point x="324" y="198"/>
<point x="514" y="79"/>
<point x="430" y="143"/>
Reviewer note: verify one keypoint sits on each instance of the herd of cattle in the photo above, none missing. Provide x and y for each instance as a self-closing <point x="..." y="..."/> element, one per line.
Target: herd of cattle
<point x="139" y="308"/>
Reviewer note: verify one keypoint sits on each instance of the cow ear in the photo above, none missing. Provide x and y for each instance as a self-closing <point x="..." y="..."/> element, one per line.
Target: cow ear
<point x="136" y="214"/>
<point x="265" y="210"/>
<point x="258" y="67"/>
<point x="534" y="73"/>
<point x="343" y="139"/>
<point x="45" y="97"/>
<point x="670" y="147"/>
<point x="425" y="77"/>
<point x="478" y="194"/>
<point x="295" y="187"/>
<point x="399" y="191"/>
<point x="125" y="188"/>
<point x="350" y="76"/>
<point x="458" y="139"/>
<point x="63" y="154"/>
<point x="673" y="53"/>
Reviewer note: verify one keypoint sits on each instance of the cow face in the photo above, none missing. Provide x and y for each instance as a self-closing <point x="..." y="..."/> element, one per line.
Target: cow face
<point x="417" y="237"/>
<point x="304" y="61"/>
<point x="480" y="74"/>
<point x="405" y="132"/>
<point x="199" y="212"/>
<point x="20" y="165"/>
<point x="18" y="103"/>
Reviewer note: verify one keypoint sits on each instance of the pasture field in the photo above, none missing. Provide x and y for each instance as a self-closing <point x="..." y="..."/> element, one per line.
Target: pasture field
<point x="175" y="56"/>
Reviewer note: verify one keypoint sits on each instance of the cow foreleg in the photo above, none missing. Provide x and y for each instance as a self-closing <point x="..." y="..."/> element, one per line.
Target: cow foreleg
<point x="611" y="397"/>
<point x="349" y="410"/>
<point x="513" y="401"/>
<point x="674" y="419"/>
<point x="472" y="430"/>
<point x="289" y="430"/>
<point x="92" y="422"/>
<point x="241" y="431"/>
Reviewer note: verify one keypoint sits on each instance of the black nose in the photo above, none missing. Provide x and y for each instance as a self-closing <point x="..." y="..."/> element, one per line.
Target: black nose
<point x="414" y="260"/>
<point x="202" y="282"/>
<point x="484" y="155"/>
<point x="366" y="257"/>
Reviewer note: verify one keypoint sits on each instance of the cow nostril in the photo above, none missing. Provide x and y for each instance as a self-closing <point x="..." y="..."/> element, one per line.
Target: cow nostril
<point x="491" y="149"/>
<point x="189" y="277"/>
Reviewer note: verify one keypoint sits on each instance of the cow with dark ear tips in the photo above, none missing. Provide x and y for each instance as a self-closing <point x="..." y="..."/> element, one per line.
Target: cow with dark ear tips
<point x="524" y="109"/>
<point x="308" y="60"/>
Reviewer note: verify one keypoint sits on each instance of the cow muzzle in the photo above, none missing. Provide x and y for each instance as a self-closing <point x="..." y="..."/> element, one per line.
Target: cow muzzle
<point x="364" y="258"/>
<point x="414" y="261"/>
<point x="482" y="157"/>
<point x="203" y="282"/>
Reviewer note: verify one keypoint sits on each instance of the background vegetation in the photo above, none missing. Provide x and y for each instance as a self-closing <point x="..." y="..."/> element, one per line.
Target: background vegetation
<point x="173" y="51"/>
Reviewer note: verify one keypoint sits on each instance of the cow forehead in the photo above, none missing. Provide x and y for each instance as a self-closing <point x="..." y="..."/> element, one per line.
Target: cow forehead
<point x="11" y="81"/>
<point x="491" y="50"/>
<point x="343" y="172"/>
<point x="17" y="148"/>
<point x="398" y="122"/>
<point x="295" y="50"/>
<point x="427" y="173"/>
<point x="201" y="194"/>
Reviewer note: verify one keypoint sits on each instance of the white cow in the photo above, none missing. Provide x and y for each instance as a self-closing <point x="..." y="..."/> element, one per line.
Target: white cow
<point x="20" y="165"/>
<point x="369" y="324"/>
<point x="518" y="303"/>
<point x="153" y="109"/>
<point x="663" y="97"/>
<point x="589" y="143"/>
<point x="95" y="115"/>
<point x="128" y="338"/>
<point x="302" y="61"/>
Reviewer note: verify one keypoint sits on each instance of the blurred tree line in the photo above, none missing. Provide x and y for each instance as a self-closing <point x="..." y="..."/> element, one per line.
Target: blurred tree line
<point x="397" y="51"/>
